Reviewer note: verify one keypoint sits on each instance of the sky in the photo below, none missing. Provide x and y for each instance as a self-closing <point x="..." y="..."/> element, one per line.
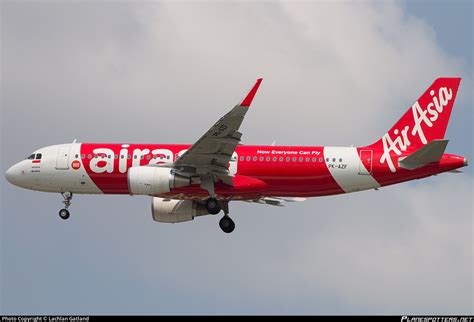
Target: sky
<point x="335" y="73"/>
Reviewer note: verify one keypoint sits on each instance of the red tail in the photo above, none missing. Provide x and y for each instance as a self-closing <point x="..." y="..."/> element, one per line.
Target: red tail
<point x="426" y="120"/>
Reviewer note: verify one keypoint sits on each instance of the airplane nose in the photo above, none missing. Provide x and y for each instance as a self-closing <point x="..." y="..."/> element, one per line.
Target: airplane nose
<point x="18" y="176"/>
<point x="10" y="175"/>
<point x="13" y="175"/>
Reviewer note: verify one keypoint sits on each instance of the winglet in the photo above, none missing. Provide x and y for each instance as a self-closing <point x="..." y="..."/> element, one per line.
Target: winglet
<point x="248" y="100"/>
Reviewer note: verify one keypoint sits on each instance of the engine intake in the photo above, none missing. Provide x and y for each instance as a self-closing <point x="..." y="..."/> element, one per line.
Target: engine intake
<point x="152" y="181"/>
<point x="174" y="211"/>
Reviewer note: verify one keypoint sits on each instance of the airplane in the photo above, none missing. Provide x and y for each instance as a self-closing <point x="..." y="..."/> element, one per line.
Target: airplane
<point x="187" y="181"/>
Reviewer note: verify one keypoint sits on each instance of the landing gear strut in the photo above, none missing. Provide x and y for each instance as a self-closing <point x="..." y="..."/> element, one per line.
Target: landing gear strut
<point x="64" y="213"/>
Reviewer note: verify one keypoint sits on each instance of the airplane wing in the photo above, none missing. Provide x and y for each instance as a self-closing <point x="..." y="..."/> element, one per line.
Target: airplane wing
<point x="210" y="155"/>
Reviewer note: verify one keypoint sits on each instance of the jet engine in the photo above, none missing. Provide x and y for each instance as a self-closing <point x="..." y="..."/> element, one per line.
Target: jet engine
<point x="152" y="181"/>
<point x="174" y="211"/>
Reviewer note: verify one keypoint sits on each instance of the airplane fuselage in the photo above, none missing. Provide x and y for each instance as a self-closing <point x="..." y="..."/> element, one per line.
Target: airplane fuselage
<point x="258" y="171"/>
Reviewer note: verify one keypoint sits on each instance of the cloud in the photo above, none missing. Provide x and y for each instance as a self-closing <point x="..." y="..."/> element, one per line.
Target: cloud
<point x="334" y="74"/>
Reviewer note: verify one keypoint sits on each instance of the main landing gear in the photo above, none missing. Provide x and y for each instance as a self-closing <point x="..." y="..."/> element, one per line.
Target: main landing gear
<point x="64" y="213"/>
<point x="214" y="206"/>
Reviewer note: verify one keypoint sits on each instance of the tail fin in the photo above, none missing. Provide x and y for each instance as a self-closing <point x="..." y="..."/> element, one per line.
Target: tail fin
<point x="426" y="120"/>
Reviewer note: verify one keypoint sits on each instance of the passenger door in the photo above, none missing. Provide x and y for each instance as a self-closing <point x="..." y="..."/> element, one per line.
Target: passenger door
<point x="62" y="160"/>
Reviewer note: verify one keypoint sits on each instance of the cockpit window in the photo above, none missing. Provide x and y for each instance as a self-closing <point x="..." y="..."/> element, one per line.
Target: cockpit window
<point x="31" y="157"/>
<point x="38" y="156"/>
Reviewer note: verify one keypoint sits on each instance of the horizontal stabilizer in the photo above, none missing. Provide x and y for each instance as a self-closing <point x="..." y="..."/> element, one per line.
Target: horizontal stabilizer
<point x="429" y="153"/>
<point x="276" y="201"/>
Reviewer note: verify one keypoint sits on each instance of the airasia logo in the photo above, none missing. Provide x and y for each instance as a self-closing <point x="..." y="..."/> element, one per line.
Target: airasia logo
<point x="105" y="160"/>
<point x="75" y="165"/>
<point x="427" y="116"/>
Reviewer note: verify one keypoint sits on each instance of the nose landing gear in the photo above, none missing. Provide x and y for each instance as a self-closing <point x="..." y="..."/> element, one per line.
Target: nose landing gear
<point x="64" y="213"/>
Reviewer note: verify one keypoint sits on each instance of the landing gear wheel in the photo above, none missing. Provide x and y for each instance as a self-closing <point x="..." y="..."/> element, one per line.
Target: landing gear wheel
<point x="213" y="206"/>
<point x="227" y="224"/>
<point x="64" y="214"/>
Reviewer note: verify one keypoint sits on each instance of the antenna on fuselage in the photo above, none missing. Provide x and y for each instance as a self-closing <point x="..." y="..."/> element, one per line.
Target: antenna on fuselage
<point x="74" y="141"/>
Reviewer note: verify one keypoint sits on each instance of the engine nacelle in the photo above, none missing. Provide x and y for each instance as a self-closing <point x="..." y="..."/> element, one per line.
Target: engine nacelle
<point x="152" y="181"/>
<point x="174" y="211"/>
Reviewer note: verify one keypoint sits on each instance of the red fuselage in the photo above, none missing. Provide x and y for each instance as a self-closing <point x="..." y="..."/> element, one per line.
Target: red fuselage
<point x="296" y="171"/>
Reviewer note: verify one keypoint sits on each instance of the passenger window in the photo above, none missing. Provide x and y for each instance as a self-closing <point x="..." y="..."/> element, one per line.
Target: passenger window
<point x="77" y="156"/>
<point x="327" y="159"/>
<point x="248" y="158"/>
<point x="320" y="159"/>
<point x="313" y="159"/>
<point x="38" y="156"/>
<point x="109" y="156"/>
<point x="83" y="156"/>
<point x="287" y="159"/>
<point x="307" y="160"/>
<point x="129" y="157"/>
<point x="294" y="159"/>
<point x="255" y="158"/>
<point x="115" y="156"/>
<point x="340" y="160"/>
<point x="141" y="157"/>
<point x="31" y="157"/>
<point x="274" y="159"/>
<point x="241" y="158"/>
<point x="268" y="158"/>
<point x="134" y="156"/>
<point x="281" y="159"/>
<point x="148" y="157"/>
<point x="261" y="159"/>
